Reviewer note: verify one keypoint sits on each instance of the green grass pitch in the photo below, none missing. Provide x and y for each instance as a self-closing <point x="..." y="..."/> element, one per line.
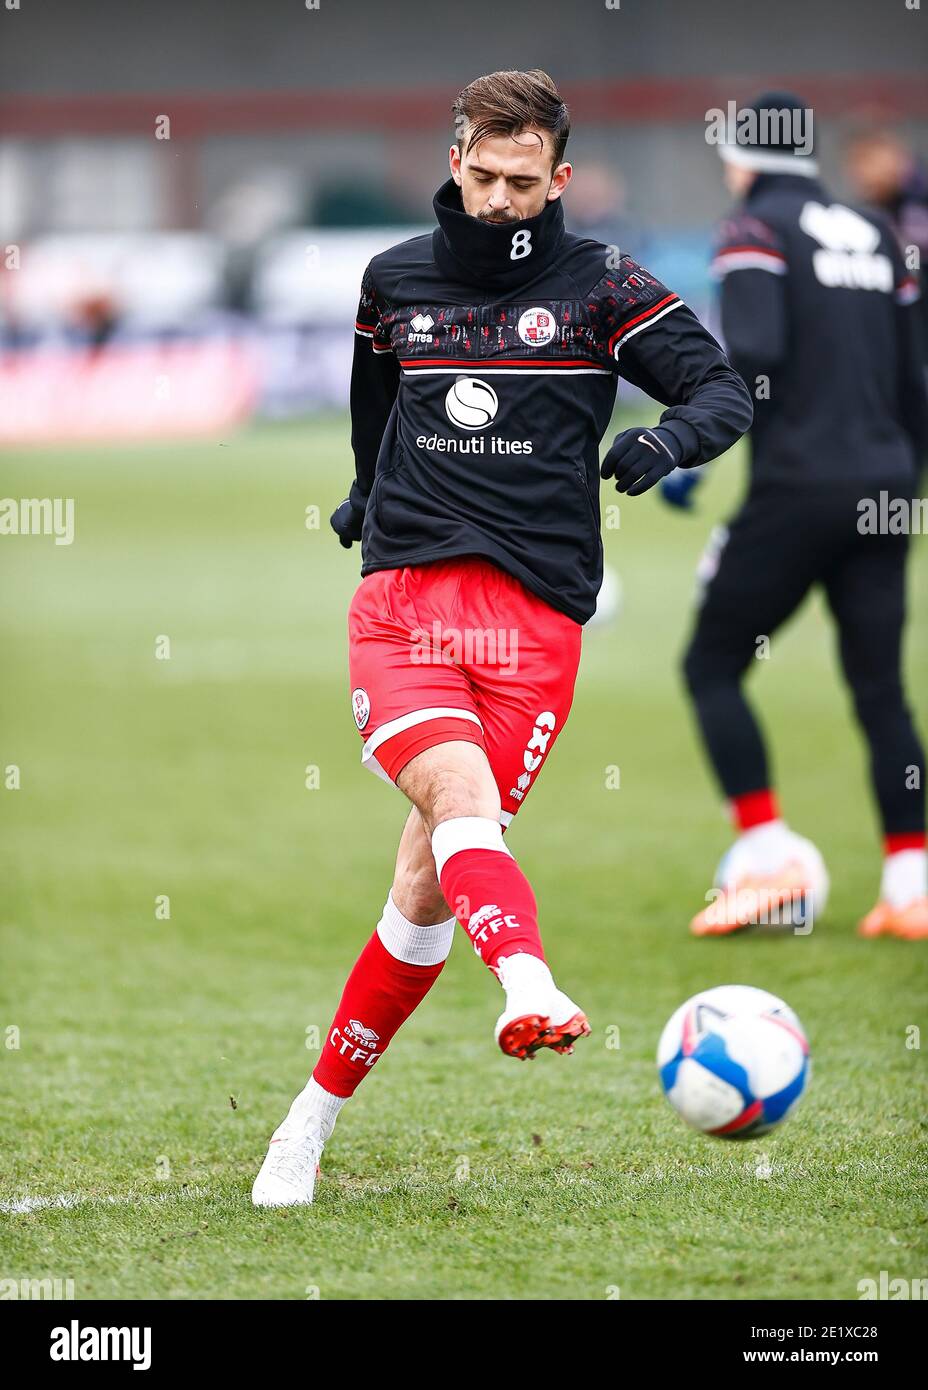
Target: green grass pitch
<point x="144" y="1059"/>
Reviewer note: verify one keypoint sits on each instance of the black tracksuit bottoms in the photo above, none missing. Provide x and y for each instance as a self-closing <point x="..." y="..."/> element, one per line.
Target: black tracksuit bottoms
<point x="781" y="543"/>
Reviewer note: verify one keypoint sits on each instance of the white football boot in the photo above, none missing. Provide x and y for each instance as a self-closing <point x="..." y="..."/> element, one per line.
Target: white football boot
<point x="289" y="1172"/>
<point x="537" y="1013"/>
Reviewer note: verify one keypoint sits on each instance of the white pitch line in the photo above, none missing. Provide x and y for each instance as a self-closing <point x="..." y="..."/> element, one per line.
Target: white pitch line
<point x="66" y="1200"/>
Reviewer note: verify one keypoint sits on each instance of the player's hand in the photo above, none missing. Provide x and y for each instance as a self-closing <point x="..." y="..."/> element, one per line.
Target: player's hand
<point x="346" y="523"/>
<point x="640" y="457"/>
<point x="677" y="488"/>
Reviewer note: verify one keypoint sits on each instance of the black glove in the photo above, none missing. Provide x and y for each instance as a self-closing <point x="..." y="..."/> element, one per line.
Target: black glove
<point x="346" y="523"/>
<point x="640" y="457"/>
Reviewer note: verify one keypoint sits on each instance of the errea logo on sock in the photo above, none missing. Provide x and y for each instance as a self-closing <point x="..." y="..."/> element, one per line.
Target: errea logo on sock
<point x="362" y="1034"/>
<point x="489" y="919"/>
<point x="353" y="1042"/>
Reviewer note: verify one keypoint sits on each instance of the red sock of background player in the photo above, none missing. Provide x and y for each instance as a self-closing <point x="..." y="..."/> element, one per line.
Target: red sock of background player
<point x="488" y="891"/>
<point x="905" y="868"/>
<point x="392" y="976"/>
<point x="754" y="808"/>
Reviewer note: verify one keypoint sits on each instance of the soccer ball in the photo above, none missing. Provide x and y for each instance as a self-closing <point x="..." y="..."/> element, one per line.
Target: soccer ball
<point x="733" y="1061"/>
<point x="608" y="600"/>
<point x="740" y="863"/>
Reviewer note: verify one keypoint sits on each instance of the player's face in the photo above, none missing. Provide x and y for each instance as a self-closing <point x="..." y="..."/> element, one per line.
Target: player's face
<point x="738" y="181"/>
<point x="876" y="169"/>
<point x="507" y="178"/>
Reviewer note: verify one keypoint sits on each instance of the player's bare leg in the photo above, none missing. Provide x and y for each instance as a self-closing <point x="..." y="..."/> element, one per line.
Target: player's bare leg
<point x="416" y="890"/>
<point x="453" y="787"/>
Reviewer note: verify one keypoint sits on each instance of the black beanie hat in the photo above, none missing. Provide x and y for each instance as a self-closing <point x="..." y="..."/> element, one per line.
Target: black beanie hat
<point x="772" y="135"/>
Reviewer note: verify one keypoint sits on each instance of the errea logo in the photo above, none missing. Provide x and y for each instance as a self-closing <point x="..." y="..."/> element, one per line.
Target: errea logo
<point x="362" y="1034"/>
<point x="420" y="326"/>
<point x="355" y="1042"/>
<point x="847" y="255"/>
<point x="489" y="920"/>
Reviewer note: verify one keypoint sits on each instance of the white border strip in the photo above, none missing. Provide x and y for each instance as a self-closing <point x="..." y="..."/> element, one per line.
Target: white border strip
<point x="477" y="368"/>
<point x="409" y="721"/>
<point x="466" y="832"/>
<point x="767" y="162"/>
<point x="647" y="324"/>
<point x="726" y="261"/>
<point x="412" y="944"/>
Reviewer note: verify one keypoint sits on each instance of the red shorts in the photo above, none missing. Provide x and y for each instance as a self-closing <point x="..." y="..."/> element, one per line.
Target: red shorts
<point x="460" y="650"/>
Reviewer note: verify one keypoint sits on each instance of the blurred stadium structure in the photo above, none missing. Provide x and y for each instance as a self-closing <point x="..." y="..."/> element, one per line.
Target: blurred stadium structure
<point x="189" y="194"/>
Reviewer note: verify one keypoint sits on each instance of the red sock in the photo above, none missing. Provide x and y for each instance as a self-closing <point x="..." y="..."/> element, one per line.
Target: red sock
<point x="379" y="996"/>
<point x="911" y="839"/>
<point x="754" y="808"/>
<point x="486" y="889"/>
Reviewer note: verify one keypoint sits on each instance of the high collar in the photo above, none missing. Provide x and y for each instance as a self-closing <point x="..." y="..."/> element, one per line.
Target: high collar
<point x="785" y="183"/>
<point x="472" y="251"/>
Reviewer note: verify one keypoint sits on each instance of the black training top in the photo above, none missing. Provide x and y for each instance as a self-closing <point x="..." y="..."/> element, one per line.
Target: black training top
<point x="484" y="378"/>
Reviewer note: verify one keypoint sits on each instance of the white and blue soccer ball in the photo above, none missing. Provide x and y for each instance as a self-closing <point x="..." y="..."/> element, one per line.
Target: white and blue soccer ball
<point x="734" y="1061"/>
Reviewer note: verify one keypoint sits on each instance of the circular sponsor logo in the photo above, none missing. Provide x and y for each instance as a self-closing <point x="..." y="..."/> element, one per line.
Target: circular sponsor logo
<point x="471" y="404"/>
<point x="537" y="327"/>
<point x="360" y="706"/>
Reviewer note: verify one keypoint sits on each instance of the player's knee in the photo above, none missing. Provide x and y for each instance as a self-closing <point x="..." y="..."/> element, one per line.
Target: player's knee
<point x="696" y="667"/>
<point x="451" y="781"/>
<point x="417" y="893"/>
<point x="458" y="797"/>
<point x="879" y="702"/>
<point x="706" y="669"/>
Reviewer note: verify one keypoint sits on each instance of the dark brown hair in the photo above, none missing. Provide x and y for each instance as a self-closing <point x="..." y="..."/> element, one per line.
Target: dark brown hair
<point x="506" y="103"/>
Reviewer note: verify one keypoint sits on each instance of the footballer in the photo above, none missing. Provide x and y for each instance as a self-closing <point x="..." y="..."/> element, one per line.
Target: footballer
<point x="486" y="363"/>
<point x="821" y="318"/>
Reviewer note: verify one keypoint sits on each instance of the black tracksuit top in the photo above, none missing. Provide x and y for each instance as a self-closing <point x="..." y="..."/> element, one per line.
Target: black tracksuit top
<point x="485" y="371"/>
<point x="820" y="317"/>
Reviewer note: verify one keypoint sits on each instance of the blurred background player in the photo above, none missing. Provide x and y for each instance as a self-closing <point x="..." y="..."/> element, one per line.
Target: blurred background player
<point x="884" y="173"/>
<point x="485" y="373"/>
<point x="819" y="315"/>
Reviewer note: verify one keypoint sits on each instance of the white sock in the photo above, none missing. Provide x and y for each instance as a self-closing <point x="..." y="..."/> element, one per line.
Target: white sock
<point x="466" y="832"/>
<point x="905" y="877"/>
<point x="314" y="1108"/>
<point x="411" y="943"/>
<point x="769" y="845"/>
<point x="523" y="974"/>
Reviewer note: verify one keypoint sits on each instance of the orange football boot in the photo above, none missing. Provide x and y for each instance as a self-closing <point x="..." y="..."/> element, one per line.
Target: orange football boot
<point x="756" y="900"/>
<point x="910" y="923"/>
